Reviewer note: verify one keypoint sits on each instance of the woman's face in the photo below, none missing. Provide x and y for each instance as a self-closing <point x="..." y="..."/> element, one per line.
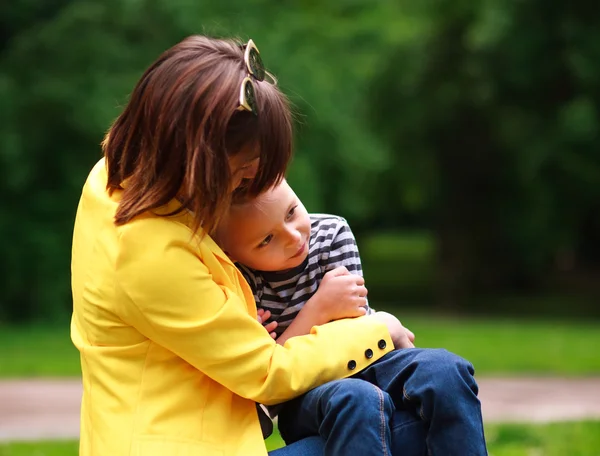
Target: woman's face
<point x="243" y="166"/>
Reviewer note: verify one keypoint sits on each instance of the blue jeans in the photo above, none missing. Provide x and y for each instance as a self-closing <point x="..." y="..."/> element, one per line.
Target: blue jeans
<point x="408" y="439"/>
<point x="408" y="402"/>
<point x="310" y="446"/>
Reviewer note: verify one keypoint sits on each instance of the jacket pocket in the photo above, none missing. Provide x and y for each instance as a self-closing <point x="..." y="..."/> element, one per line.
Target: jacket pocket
<point x="169" y="446"/>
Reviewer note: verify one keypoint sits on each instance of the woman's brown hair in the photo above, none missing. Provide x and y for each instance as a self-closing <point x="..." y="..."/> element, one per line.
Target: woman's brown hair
<point x="180" y="127"/>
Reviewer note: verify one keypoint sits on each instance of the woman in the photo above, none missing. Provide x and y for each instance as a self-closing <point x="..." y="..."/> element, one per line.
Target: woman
<point x="172" y="355"/>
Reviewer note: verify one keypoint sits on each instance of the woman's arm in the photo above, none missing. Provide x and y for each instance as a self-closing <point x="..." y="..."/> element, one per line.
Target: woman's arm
<point x="181" y="296"/>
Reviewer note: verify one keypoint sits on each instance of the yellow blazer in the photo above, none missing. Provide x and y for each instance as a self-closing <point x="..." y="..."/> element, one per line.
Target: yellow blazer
<point x="172" y="356"/>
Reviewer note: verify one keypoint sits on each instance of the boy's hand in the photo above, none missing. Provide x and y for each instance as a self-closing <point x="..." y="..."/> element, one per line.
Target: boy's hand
<point x="262" y="317"/>
<point x="401" y="336"/>
<point x="340" y="295"/>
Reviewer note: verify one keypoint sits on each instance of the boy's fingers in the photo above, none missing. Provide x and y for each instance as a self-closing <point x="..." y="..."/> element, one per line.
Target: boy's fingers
<point x="361" y="291"/>
<point x="339" y="271"/>
<point x="270" y="327"/>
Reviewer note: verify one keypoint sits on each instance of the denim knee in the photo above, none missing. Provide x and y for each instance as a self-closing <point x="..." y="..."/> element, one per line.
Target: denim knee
<point x="444" y="372"/>
<point x="355" y="394"/>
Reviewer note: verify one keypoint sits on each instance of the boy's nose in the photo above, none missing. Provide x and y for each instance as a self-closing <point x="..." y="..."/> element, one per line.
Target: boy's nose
<point x="294" y="237"/>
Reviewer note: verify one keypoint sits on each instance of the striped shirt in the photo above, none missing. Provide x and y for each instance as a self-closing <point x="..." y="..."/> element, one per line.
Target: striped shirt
<point x="331" y="245"/>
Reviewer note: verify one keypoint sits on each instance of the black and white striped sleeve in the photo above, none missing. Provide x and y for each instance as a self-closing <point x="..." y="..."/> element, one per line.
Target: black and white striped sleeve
<point x="254" y="282"/>
<point x="343" y="251"/>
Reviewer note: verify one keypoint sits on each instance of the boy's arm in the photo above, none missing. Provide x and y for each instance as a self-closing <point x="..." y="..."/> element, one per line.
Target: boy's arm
<point x="340" y="295"/>
<point x="308" y="317"/>
<point x="343" y="253"/>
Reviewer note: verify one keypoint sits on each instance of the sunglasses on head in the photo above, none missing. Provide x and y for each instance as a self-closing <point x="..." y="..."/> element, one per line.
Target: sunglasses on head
<point x="256" y="72"/>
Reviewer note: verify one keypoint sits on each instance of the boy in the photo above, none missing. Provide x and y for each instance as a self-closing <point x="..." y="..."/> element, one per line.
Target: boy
<point x="305" y="270"/>
<point x="294" y="253"/>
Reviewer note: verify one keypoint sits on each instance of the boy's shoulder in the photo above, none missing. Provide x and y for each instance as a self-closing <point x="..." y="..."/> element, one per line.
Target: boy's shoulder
<point x="327" y="229"/>
<point x="327" y="221"/>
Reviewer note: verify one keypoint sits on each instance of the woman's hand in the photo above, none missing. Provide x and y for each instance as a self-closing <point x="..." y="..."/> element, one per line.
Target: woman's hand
<point x="262" y="316"/>
<point x="340" y="295"/>
<point x="402" y="337"/>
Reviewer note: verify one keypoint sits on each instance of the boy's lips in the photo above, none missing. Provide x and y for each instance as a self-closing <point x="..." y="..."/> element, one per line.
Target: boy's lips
<point x="300" y="250"/>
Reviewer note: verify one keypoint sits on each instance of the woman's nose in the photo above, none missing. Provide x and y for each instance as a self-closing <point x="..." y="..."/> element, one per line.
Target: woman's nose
<point x="251" y="171"/>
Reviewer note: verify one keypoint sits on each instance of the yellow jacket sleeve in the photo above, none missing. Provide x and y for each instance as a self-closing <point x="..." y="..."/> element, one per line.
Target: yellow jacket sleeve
<point x="172" y="297"/>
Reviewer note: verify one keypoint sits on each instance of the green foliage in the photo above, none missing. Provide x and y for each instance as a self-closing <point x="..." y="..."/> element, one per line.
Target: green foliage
<point x="399" y="269"/>
<point x="496" y="138"/>
<point x="477" y="121"/>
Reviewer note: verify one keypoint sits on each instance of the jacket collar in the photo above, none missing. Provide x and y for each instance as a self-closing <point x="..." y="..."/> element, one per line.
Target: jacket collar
<point x="187" y="219"/>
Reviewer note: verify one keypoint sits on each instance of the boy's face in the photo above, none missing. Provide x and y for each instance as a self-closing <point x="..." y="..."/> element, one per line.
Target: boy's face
<point x="270" y="233"/>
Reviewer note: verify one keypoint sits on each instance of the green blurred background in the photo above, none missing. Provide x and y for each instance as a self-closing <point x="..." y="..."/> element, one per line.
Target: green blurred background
<point x="460" y="138"/>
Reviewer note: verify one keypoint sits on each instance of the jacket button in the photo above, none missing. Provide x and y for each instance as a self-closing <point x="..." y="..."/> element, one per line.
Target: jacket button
<point x="381" y="344"/>
<point x="368" y="353"/>
<point x="351" y="364"/>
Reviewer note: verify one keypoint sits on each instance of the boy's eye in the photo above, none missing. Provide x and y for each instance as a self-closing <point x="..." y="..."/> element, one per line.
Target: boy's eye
<point x="266" y="241"/>
<point x="291" y="212"/>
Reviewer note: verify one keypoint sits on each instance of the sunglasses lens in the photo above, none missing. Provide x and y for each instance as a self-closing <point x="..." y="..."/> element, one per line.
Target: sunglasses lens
<point x="250" y="96"/>
<point x="256" y="65"/>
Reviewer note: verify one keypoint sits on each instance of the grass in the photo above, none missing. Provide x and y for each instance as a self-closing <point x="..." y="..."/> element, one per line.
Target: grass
<point x="494" y="346"/>
<point x="37" y="351"/>
<point x="513" y="347"/>
<point x="558" y="439"/>
<point x="55" y="448"/>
